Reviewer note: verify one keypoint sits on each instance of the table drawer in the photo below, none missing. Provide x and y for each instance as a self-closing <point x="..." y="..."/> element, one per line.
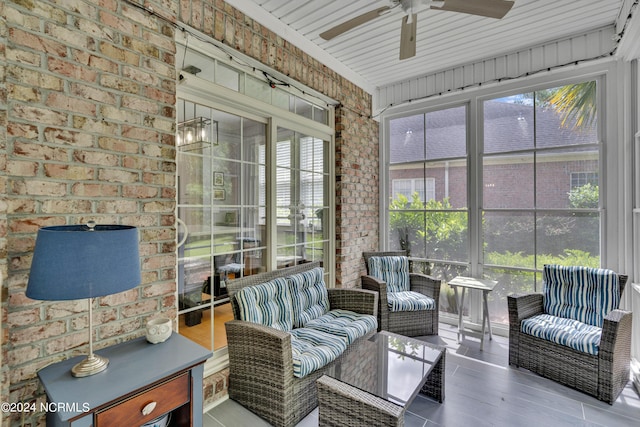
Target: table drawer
<point x="167" y="397"/>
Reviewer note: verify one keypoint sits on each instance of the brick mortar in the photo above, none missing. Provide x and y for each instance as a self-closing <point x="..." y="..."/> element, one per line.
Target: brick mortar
<point x="4" y="369"/>
<point x="90" y="136"/>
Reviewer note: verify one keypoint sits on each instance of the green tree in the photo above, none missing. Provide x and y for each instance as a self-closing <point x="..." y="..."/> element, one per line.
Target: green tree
<point x="586" y="196"/>
<point x="432" y="229"/>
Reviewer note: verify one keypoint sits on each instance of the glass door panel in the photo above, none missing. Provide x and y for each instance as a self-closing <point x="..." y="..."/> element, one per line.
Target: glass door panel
<point x="221" y="214"/>
<point x="302" y="198"/>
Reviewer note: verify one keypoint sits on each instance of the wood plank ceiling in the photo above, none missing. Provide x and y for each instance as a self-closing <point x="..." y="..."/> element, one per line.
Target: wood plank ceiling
<point x="444" y="39"/>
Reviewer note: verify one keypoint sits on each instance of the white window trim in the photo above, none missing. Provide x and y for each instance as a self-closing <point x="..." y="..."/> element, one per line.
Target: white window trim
<point x="201" y="91"/>
<point x="616" y="247"/>
<point x="611" y="158"/>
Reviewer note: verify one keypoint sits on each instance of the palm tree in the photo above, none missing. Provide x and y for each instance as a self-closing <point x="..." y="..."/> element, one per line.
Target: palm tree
<point x="577" y="104"/>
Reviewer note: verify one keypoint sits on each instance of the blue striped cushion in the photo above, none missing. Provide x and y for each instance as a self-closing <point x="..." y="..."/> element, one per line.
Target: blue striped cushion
<point x="345" y="323"/>
<point x="568" y="332"/>
<point x="268" y="304"/>
<point x="580" y="293"/>
<point x="409" y="301"/>
<point x="312" y="349"/>
<point x="309" y="296"/>
<point x="393" y="270"/>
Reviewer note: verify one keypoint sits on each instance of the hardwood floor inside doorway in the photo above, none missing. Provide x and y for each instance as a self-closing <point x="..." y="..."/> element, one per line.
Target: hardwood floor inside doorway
<point x="201" y="333"/>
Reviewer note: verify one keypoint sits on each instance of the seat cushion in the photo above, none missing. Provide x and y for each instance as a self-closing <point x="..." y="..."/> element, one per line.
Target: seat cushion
<point x="580" y="293"/>
<point x="344" y="323"/>
<point x="568" y="332"/>
<point x="268" y="304"/>
<point x="313" y="349"/>
<point x="393" y="270"/>
<point x="309" y="296"/>
<point x="409" y="301"/>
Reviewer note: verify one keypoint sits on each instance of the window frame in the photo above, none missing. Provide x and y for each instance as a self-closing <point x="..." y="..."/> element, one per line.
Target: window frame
<point x="582" y="176"/>
<point x="535" y="152"/>
<point x="428" y="189"/>
<point x="607" y="73"/>
<point x="205" y="92"/>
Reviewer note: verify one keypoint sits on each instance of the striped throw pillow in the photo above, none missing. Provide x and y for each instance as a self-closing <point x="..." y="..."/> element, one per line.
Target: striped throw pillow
<point x="268" y="304"/>
<point x="580" y="293"/>
<point x="309" y="296"/>
<point x="393" y="270"/>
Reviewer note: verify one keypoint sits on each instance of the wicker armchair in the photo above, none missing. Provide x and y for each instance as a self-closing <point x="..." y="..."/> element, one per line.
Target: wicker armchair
<point x="261" y="372"/>
<point x="407" y="323"/>
<point x="602" y="375"/>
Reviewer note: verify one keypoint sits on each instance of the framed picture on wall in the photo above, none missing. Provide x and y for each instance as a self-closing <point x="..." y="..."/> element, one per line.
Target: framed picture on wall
<point x="219" y="194"/>
<point x="218" y="179"/>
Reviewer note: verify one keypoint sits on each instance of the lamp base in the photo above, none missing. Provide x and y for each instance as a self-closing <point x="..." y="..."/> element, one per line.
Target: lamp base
<point x="90" y="366"/>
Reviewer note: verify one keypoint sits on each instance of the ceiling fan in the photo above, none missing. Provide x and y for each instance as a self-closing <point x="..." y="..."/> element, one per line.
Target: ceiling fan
<point x="489" y="8"/>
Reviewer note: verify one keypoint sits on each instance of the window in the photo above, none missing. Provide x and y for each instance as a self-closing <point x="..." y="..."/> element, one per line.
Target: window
<point x="636" y="208"/>
<point x="425" y="188"/>
<point x="580" y="179"/>
<point x="538" y="205"/>
<point x="222" y="234"/>
<point x="428" y="209"/>
<point x="301" y="201"/>
<point x="520" y="191"/>
<point x="202" y="61"/>
<point x="253" y="188"/>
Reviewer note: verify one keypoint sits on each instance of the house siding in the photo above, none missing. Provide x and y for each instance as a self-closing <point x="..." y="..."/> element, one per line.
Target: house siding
<point x="87" y="114"/>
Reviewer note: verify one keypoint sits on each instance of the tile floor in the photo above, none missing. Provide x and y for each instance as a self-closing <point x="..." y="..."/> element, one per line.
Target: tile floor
<point x="482" y="390"/>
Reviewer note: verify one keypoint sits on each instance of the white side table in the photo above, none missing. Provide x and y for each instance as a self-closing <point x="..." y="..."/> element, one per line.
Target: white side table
<point x="485" y="286"/>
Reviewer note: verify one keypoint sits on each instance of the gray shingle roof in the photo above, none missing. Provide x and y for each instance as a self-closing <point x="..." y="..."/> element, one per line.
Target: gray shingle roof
<point x="507" y="127"/>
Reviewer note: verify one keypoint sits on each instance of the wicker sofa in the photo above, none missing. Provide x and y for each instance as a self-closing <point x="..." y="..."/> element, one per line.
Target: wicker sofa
<point x="409" y="322"/>
<point x="288" y="330"/>
<point x="573" y="332"/>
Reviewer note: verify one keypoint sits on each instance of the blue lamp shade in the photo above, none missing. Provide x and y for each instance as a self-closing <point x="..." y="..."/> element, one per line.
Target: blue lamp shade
<point x="84" y="261"/>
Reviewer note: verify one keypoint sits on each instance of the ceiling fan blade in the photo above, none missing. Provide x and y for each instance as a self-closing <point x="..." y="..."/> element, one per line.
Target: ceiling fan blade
<point x="489" y="8"/>
<point x="354" y="22"/>
<point x="408" y="36"/>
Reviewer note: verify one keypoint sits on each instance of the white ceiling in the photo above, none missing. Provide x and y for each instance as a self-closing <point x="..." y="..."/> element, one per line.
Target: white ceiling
<point x="368" y="54"/>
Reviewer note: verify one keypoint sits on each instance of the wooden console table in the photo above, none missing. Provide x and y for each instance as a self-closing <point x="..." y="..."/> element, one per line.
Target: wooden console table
<point x="142" y="382"/>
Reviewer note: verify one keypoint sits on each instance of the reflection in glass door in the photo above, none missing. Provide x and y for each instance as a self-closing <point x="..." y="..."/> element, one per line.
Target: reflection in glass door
<point x="221" y="220"/>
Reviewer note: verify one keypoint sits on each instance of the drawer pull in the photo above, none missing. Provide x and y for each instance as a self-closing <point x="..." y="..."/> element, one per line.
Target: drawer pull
<point x="148" y="408"/>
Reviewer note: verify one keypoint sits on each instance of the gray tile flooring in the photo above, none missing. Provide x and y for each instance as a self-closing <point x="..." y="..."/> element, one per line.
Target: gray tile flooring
<point x="481" y="389"/>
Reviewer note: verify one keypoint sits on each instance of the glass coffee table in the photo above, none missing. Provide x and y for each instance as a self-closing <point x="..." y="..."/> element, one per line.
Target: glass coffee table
<point x="376" y="380"/>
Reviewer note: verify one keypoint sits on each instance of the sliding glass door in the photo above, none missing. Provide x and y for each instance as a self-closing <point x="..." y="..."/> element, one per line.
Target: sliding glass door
<point x="221" y="214"/>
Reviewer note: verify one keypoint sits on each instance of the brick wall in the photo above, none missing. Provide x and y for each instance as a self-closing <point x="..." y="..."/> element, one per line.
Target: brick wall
<point x="553" y="183"/>
<point x="88" y="95"/>
<point x="4" y="371"/>
<point x="90" y="92"/>
<point x="357" y="191"/>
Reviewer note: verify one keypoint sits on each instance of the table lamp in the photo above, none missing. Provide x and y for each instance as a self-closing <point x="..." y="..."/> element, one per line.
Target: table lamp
<point x="84" y="261"/>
